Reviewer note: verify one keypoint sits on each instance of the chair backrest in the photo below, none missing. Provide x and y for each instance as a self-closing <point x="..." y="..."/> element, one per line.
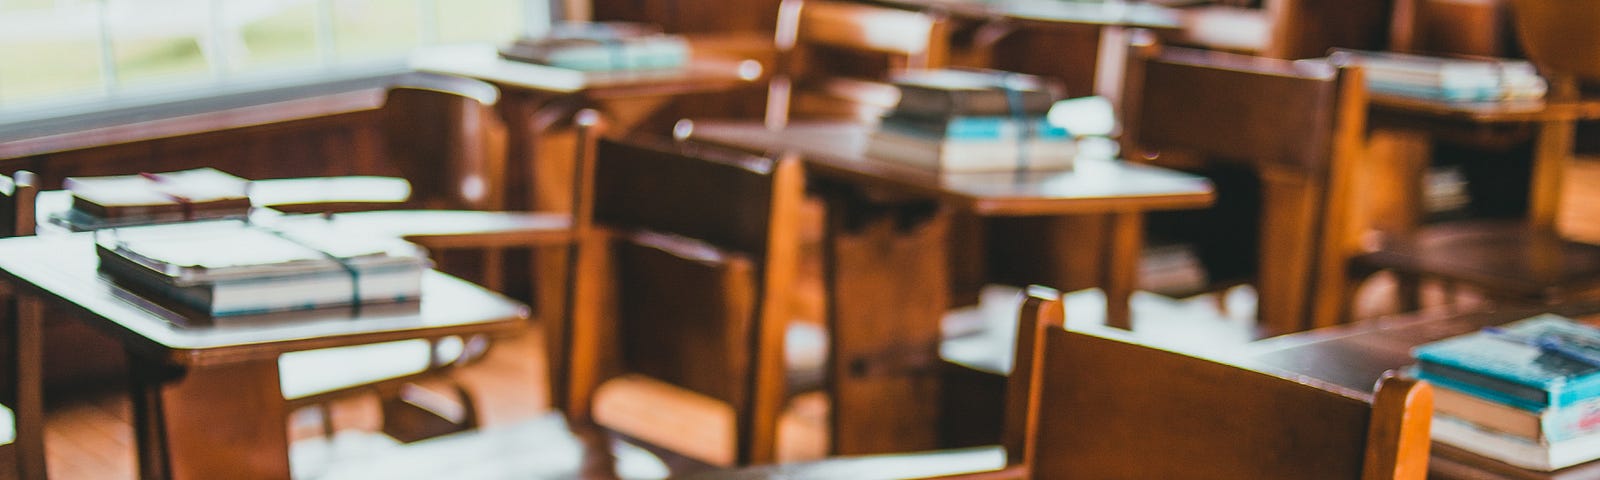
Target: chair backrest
<point x="833" y="57"/>
<point x="444" y="136"/>
<point x="1560" y="37"/>
<point x="703" y="245"/>
<point x="1102" y="406"/>
<point x="1308" y="28"/>
<point x="1290" y="130"/>
<point x="18" y="194"/>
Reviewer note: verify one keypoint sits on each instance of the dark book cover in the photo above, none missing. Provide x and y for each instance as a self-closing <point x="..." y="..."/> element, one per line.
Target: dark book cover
<point x="947" y="93"/>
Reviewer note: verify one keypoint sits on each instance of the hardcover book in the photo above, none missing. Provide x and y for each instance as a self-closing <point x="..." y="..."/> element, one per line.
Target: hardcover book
<point x="945" y="93"/>
<point x="1535" y="363"/>
<point x="975" y="128"/>
<point x="947" y="155"/>
<point x="1448" y="78"/>
<point x="184" y="195"/>
<point x="1540" y="456"/>
<point x="1548" y="425"/>
<point x="602" y="46"/>
<point x="229" y="268"/>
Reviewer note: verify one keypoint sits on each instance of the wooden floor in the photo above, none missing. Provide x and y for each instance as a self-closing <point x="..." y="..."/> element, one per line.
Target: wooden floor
<point x="89" y="436"/>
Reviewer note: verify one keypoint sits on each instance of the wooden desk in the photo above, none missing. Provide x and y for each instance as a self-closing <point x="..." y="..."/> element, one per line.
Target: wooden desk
<point x="535" y="99"/>
<point x="886" y="247"/>
<point x="207" y="401"/>
<point x="1403" y="129"/>
<point x="1353" y="356"/>
<point x="1079" y="42"/>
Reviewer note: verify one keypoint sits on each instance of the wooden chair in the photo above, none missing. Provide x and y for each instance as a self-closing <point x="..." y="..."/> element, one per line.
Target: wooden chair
<point x="1078" y="411"/>
<point x="705" y="243"/>
<point x="1524" y="260"/>
<point x="1282" y="139"/>
<point x="679" y="250"/>
<point x="834" y="56"/>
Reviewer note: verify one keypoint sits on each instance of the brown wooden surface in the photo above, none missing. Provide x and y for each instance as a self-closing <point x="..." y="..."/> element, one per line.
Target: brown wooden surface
<point x="885" y="248"/>
<point x="1083" y="38"/>
<point x="1354" y="356"/>
<point x="834" y="150"/>
<point x="1295" y="127"/>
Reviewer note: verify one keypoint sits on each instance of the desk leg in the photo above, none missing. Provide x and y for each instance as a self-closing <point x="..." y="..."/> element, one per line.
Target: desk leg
<point x="887" y="279"/>
<point x="1552" y="148"/>
<point x="225" y="421"/>
<point x="25" y="339"/>
<point x="1125" y="240"/>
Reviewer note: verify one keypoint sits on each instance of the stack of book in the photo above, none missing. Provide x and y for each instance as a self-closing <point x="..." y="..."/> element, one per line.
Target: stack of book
<point x="1527" y="393"/>
<point x="602" y="46"/>
<point x="972" y="121"/>
<point x="228" y="267"/>
<point x="1450" y="79"/>
<point x="202" y="193"/>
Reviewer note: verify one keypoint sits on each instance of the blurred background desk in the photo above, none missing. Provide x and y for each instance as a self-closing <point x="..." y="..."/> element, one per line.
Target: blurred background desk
<point x="198" y="387"/>
<point x="887" y="244"/>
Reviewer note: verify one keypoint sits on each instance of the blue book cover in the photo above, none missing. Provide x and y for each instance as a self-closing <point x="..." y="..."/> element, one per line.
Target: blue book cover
<point x="963" y="127"/>
<point x="1540" y="360"/>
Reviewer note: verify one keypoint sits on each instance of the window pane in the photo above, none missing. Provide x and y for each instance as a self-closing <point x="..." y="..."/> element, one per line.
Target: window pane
<point x="47" y="52"/>
<point x="495" y="21"/>
<point x="272" y="34"/>
<point x="158" y="41"/>
<point x="373" y="28"/>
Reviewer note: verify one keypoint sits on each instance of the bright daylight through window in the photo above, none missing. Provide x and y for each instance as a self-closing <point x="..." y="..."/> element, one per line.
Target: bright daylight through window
<point x="56" y="52"/>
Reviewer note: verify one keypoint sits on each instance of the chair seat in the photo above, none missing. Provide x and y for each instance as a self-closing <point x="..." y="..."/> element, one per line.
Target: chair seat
<point x="1503" y="257"/>
<point x="540" y="448"/>
<point x="873" y="467"/>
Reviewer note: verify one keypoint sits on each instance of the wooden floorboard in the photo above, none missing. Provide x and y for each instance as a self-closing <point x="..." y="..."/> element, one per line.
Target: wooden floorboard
<point x="89" y="436"/>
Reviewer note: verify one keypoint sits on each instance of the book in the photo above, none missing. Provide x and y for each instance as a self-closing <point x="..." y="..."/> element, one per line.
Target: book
<point x="183" y="195"/>
<point x="227" y="268"/>
<point x="944" y="93"/>
<point x="1513" y="364"/>
<point x="962" y="156"/>
<point x="974" y="127"/>
<point x="1448" y="78"/>
<point x="1547" y="425"/>
<point x="601" y="46"/>
<point x="1540" y="456"/>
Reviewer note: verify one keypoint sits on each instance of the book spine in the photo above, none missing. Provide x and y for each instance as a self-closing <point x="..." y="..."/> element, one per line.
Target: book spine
<point x="945" y="104"/>
<point x="973" y="128"/>
<point x="1491" y="394"/>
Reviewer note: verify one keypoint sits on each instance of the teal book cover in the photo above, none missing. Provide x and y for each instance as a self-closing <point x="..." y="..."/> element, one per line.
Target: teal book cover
<point x="1547" y="360"/>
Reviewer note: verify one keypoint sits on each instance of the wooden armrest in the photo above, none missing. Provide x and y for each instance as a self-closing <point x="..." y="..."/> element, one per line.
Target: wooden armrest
<point x="978" y="462"/>
<point x="443" y="229"/>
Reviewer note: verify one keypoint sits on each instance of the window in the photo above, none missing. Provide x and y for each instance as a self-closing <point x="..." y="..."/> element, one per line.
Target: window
<point x="69" y="51"/>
